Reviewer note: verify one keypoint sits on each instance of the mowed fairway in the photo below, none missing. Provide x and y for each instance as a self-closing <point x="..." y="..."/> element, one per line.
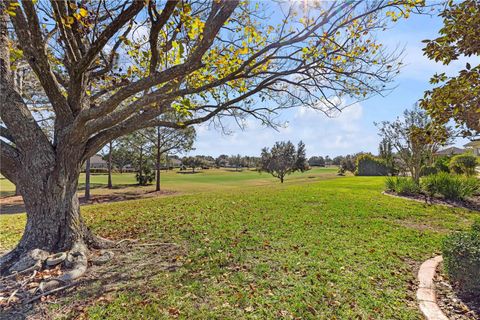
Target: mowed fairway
<point x="174" y="180"/>
<point x="313" y="248"/>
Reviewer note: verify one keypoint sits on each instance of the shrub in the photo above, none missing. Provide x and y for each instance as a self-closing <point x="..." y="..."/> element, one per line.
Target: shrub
<point x="390" y="183"/>
<point x="348" y="164"/>
<point x="450" y="186"/>
<point x="464" y="164"/>
<point x="148" y="175"/>
<point x="402" y="185"/>
<point x="461" y="254"/>
<point x="368" y="165"/>
<point x="428" y="170"/>
<point x="441" y="164"/>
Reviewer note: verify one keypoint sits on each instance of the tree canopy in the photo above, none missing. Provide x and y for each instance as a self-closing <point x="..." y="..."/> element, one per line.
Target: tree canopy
<point x="415" y="138"/>
<point x="283" y="159"/>
<point x="456" y="97"/>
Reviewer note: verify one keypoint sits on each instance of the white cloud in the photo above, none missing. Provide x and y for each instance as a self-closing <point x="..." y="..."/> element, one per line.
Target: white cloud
<point x="322" y="135"/>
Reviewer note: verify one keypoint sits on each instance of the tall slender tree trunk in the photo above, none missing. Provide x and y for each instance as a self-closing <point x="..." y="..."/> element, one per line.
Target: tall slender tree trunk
<point x="157" y="185"/>
<point x="87" y="180"/>
<point x="140" y="165"/>
<point x="109" y="184"/>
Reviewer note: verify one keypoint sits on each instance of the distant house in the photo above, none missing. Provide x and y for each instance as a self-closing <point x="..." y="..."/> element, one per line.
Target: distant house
<point x="97" y="163"/>
<point x="452" y="151"/>
<point x="474" y="146"/>
<point x="172" y="163"/>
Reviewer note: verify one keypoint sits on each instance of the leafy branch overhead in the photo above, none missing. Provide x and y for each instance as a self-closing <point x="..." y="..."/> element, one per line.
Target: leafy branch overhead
<point x="456" y="97"/>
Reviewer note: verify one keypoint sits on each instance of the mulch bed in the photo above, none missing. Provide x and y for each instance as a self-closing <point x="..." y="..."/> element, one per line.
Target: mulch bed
<point x="455" y="306"/>
<point x="472" y="203"/>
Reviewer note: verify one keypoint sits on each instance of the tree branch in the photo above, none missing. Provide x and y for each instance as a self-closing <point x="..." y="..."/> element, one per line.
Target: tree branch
<point x="10" y="160"/>
<point x="33" y="46"/>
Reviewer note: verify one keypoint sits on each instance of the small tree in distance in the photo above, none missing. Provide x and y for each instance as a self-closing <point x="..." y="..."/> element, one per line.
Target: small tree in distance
<point x="192" y="162"/>
<point x="283" y="159"/>
<point x="415" y="138"/>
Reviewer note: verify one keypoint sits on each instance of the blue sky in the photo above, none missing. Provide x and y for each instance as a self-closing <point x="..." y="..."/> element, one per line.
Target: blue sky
<point x="353" y="130"/>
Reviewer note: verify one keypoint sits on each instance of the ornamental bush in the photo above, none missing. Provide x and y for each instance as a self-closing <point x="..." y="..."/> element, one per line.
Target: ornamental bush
<point x="463" y="164"/>
<point x="449" y="186"/>
<point x="428" y="170"/>
<point x="402" y="185"/>
<point x="148" y="174"/>
<point x="441" y="164"/>
<point x="461" y="256"/>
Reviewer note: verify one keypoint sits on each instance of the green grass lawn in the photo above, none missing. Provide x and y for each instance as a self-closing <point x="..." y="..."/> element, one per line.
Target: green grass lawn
<point x="308" y="249"/>
<point x="204" y="180"/>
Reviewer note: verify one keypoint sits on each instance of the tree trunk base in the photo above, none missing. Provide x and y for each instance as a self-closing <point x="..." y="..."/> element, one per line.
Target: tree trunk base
<point x="19" y="263"/>
<point x="19" y="268"/>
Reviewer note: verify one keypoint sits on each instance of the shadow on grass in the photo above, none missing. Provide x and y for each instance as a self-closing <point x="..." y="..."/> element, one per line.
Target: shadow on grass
<point x="81" y="186"/>
<point x="15" y="205"/>
<point x="133" y="268"/>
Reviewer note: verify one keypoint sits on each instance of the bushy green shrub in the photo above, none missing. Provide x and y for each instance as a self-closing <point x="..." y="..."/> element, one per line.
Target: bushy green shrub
<point x="463" y="164"/>
<point x="441" y="164"/>
<point x="452" y="187"/>
<point x="391" y="183"/>
<point x="368" y="165"/>
<point x="428" y="170"/>
<point x="148" y="174"/>
<point x="461" y="254"/>
<point x="402" y="185"/>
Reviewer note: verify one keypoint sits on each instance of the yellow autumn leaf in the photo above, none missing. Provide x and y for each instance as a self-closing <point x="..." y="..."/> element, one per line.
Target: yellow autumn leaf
<point x="243" y="50"/>
<point x="83" y="12"/>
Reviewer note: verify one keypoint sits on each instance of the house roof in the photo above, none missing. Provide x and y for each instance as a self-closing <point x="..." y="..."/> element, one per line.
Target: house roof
<point x="450" y="151"/>
<point x="96" y="159"/>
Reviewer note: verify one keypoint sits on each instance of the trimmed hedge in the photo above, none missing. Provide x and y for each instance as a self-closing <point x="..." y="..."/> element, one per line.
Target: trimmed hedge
<point x="368" y="165"/>
<point x="461" y="256"/>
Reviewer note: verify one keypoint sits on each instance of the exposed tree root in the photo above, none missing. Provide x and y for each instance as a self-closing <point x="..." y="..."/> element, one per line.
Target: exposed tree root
<point x="46" y="293"/>
<point x="45" y="273"/>
<point x="96" y="242"/>
<point x="19" y="287"/>
<point x="7" y="260"/>
<point x="77" y="261"/>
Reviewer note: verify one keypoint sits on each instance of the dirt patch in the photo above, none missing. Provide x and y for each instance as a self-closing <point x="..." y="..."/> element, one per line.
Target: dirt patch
<point x="14" y="204"/>
<point x="452" y="304"/>
<point x="472" y="203"/>
<point x="420" y="226"/>
<point x="132" y="268"/>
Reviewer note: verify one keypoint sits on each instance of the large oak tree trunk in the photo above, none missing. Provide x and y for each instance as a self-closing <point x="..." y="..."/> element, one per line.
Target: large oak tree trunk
<point x="53" y="223"/>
